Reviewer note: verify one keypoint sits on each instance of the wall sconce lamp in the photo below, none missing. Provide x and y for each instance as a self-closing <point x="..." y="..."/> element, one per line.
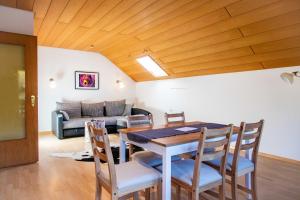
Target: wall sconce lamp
<point x="52" y="83"/>
<point x="120" y="84"/>
<point x="289" y="77"/>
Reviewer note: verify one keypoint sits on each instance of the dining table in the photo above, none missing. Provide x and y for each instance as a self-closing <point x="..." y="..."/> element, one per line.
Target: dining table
<point x="168" y="146"/>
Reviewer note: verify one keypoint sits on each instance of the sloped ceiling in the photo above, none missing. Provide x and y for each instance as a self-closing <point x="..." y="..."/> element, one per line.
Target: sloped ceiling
<point x="186" y="37"/>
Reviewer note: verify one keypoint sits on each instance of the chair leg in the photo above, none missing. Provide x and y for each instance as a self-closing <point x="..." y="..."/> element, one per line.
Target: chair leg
<point x="178" y="192"/>
<point x="147" y="194"/>
<point x="98" y="192"/>
<point x="222" y="191"/>
<point x="159" y="191"/>
<point x="195" y="195"/>
<point x="114" y="197"/>
<point x="135" y="196"/>
<point x="190" y="195"/>
<point x="130" y="148"/>
<point x="253" y="186"/>
<point x="233" y="187"/>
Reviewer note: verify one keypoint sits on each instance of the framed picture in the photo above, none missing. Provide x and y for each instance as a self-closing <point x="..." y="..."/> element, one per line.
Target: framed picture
<point x="86" y="80"/>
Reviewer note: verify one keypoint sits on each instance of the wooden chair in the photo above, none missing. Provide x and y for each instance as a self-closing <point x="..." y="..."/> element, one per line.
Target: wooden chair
<point x="138" y="121"/>
<point x="197" y="177"/>
<point x="174" y="118"/>
<point x="237" y="165"/>
<point x="144" y="157"/>
<point x="122" y="180"/>
<point x="178" y="118"/>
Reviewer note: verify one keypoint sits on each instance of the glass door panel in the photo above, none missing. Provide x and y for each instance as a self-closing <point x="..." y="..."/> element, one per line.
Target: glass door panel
<point x="12" y="87"/>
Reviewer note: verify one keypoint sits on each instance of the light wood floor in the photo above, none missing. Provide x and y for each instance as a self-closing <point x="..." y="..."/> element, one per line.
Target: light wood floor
<point x="65" y="179"/>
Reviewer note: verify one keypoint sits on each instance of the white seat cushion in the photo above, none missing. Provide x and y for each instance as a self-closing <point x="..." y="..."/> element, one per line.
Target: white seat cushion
<point x="132" y="175"/>
<point x="149" y="158"/>
<point x="183" y="170"/>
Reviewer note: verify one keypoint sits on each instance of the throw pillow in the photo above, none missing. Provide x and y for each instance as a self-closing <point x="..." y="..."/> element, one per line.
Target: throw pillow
<point x="127" y="110"/>
<point x="73" y="108"/>
<point x="114" y="108"/>
<point x="92" y="109"/>
<point x="66" y="116"/>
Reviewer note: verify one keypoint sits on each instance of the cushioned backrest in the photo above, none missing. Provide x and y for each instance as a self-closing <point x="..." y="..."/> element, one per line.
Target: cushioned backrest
<point x="115" y="108"/>
<point x="72" y="108"/>
<point x="93" y="109"/>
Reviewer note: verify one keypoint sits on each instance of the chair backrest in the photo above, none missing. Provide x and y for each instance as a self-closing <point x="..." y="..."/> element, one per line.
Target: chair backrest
<point x="139" y="120"/>
<point x="219" y="141"/>
<point x="102" y="152"/>
<point x="173" y="118"/>
<point x="248" y="139"/>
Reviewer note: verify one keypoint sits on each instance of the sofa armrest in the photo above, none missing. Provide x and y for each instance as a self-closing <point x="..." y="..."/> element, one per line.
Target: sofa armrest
<point x="57" y="124"/>
<point x="139" y="111"/>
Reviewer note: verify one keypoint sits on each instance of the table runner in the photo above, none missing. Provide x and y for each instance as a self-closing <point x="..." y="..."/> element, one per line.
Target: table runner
<point x="148" y="135"/>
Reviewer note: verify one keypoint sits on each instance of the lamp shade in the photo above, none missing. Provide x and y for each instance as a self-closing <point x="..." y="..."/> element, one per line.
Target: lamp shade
<point x="287" y="77"/>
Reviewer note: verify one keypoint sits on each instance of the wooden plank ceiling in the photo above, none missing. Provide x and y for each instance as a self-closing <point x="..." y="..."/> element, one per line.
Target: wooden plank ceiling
<point x="186" y="37"/>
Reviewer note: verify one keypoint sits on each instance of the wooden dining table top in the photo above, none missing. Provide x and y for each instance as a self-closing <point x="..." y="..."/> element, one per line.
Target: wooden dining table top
<point x="172" y="140"/>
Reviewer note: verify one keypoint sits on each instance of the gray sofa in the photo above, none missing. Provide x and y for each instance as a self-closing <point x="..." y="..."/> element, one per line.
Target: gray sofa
<point x="64" y="127"/>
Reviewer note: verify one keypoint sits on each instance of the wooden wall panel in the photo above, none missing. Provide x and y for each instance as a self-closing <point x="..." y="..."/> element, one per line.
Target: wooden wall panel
<point x="10" y="3"/>
<point x="285" y="62"/>
<point x="186" y="37"/>
<point x="71" y="10"/>
<point x="277" y="45"/>
<point x="25" y="4"/>
<point x="244" y="6"/>
<point x="56" y="7"/>
<point x="272" y="23"/>
<point x="89" y="6"/>
<point x="290" y="53"/>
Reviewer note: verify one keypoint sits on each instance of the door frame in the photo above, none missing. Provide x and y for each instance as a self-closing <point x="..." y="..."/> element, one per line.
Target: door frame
<point x="24" y="151"/>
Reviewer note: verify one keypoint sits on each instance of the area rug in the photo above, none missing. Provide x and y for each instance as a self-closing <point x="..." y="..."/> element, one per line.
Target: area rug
<point x="87" y="156"/>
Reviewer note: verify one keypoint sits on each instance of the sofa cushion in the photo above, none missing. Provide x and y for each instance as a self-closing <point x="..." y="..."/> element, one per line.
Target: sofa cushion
<point x="75" y="123"/>
<point x="122" y="121"/>
<point x="93" y="109"/>
<point x="66" y="116"/>
<point x="127" y="110"/>
<point x="80" y="122"/>
<point x="72" y="108"/>
<point x="110" y="120"/>
<point x="114" y="108"/>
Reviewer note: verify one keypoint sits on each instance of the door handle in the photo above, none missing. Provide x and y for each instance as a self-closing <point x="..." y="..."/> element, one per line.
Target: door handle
<point x="32" y="98"/>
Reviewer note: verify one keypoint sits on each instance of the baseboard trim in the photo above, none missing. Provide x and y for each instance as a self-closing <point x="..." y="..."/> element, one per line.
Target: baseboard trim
<point x="45" y="132"/>
<point x="266" y="155"/>
<point x="289" y="160"/>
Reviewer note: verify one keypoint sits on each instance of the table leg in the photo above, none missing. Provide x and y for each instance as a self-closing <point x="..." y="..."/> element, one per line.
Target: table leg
<point x="122" y="150"/>
<point x="87" y="141"/>
<point x="166" y="177"/>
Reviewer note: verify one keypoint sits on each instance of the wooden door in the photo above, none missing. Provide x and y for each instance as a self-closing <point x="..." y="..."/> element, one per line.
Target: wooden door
<point x="18" y="100"/>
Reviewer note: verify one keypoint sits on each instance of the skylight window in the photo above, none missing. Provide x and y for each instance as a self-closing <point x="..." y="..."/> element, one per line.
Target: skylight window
<point x="149" y="64"/>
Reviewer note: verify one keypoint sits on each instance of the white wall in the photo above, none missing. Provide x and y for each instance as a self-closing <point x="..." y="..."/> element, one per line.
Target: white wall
<point x="16" y="21"/>
<point x="61" y="64"/>
<point x="231" y="98"/>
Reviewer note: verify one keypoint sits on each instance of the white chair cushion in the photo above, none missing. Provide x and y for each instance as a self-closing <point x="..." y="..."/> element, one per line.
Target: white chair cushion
<point x="243" y="164"/>
<point x="149" y="158"/>
<point x="183" y="170"/>
<point x="132" y="175"/>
